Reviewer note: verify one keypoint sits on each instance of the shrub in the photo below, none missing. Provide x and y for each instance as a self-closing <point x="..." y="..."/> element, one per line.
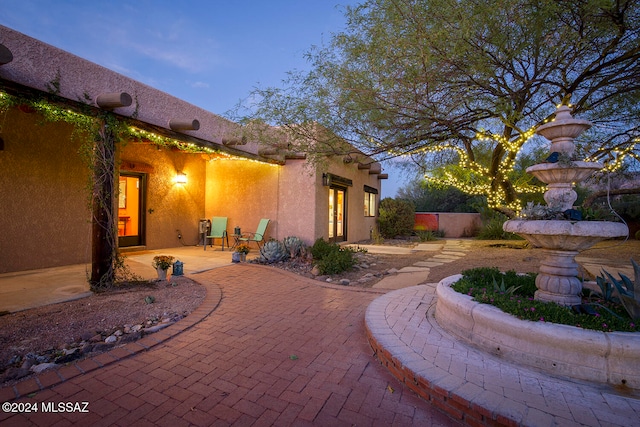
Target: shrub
<point x="330" y="258"/>
<point x="336" y="261"/>
<point x="492" y="229"/>
<point x="396" y="217"/>
<point x="321" y="248"/>
<point x="429" y="235"/>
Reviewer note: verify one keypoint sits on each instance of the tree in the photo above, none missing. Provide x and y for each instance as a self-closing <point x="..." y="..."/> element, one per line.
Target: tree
<point x="461" y="86"/>
<point x="430" y="197"/>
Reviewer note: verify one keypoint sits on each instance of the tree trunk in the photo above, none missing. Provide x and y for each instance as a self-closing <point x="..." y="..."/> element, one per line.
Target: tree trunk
<point x="593" y="197"/>
<point x="103" y="247"/>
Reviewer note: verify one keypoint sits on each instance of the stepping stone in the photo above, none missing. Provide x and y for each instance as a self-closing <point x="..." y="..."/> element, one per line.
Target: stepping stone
<point x="447" y="257"/>
<point x="411" y="269"/>
<point x="427" y="264"/>
<point x="404" y="280"/>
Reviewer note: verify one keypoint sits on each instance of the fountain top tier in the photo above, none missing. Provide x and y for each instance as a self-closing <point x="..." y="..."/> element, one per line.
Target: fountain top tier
<point x="563" y="130"/>
<point x="561" y="176"/>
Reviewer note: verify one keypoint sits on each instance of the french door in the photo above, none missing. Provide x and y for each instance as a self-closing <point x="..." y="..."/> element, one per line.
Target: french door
<point x="131" y="208"/>
<point x="337" y="214"/>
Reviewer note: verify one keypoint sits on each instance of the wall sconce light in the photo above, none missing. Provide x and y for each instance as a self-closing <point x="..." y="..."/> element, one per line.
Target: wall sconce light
<point x="326" y="179"/>
<point x="181" y="178"/>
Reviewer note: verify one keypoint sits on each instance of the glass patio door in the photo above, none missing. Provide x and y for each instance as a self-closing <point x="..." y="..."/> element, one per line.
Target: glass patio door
<point x="337" y="214"/>
<point x="131" y="209"/>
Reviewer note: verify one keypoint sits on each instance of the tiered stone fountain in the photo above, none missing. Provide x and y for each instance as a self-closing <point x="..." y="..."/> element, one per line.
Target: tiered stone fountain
<point x="562" y="240"/>
<point x="610" y="358"/>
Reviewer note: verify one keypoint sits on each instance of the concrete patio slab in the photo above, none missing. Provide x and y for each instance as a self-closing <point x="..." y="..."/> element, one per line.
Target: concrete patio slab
<point x="34" y="288"/>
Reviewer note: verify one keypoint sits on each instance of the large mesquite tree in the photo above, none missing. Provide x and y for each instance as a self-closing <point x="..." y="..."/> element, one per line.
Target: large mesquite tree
<point x="460" y="87"/>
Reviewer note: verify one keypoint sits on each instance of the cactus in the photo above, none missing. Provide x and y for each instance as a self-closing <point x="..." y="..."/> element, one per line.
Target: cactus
<point x="625" y="290"/>
<point x="273" y="251"/>
<point x="294" y="246"/>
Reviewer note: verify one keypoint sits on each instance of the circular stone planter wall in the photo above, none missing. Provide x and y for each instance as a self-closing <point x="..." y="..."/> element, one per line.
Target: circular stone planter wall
<point x="611" y="358"/>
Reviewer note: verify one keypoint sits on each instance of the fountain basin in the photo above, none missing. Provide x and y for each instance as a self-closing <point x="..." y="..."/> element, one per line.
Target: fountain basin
<point x="609" y="358"/>
<point x="565" y="235"/>
<point x="554" y="173"/>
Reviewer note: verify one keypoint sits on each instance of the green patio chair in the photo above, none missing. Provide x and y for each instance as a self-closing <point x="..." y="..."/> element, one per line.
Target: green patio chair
<point x="258" y="236"/>
<point x="218" y="231"/>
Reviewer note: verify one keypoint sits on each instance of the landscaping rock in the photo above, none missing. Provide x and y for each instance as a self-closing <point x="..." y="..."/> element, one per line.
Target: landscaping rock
<point x="42" y="367"/>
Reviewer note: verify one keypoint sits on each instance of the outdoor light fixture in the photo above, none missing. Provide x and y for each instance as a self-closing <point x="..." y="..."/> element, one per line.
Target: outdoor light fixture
<point x="326" y="179"/>
<point x="181" y="178"/>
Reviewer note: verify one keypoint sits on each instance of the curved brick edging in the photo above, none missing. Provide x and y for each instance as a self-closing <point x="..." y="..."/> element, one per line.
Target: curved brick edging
<point x="475" y="387"/>
<point x="58" y="375"/>
<point x="431" y="383"/>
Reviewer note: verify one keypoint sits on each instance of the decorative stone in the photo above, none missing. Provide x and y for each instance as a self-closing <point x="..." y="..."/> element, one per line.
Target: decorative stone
<point x="42" y="367"/>
<point x="111" y="339"/>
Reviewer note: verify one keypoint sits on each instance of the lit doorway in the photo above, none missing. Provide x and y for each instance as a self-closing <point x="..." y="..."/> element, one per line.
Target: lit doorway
<point x="131" y="207"/>
<point x="337" y="214"/>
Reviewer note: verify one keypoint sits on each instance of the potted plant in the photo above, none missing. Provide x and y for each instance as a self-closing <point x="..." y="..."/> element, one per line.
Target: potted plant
<point x="243" y="250"/>
<point x="162" y="263"/>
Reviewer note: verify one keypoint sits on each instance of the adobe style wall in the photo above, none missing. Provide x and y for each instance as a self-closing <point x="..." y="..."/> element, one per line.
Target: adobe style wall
<point x="452" y="224"/>
<point x="44" y="198"/>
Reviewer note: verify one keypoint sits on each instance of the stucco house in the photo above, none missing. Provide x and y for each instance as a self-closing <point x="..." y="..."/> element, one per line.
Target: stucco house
<point x="184" y="164"/>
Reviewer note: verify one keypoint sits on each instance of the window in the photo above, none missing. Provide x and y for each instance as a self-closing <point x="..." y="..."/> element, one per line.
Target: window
<point x="370" y="201"/>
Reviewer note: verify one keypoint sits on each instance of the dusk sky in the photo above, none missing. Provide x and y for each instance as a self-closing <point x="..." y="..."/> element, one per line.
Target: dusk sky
<point x="210" y="53"/>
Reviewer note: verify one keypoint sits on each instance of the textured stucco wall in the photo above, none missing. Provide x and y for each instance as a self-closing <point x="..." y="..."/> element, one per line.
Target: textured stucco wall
<point x="173" y="206"/>
<point x="44" y="199"/>
<point x="243" y="191"/>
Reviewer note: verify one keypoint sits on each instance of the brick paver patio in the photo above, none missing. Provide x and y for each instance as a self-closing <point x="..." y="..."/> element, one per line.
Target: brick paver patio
<point x="271" y="348"/>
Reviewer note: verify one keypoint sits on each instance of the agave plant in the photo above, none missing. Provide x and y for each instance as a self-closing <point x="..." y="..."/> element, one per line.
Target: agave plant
<point x="273" y="251"/>
<point x="626" y="291"/>
<point x="294" y="246"/>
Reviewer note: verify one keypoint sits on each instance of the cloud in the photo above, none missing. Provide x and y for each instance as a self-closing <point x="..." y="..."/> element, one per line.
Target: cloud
<point x="203" y="85"/>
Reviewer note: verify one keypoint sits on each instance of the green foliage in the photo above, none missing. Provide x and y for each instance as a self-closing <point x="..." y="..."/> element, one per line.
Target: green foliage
<point x="627" y="293"/>
<point x="430" y="197"/>
<point x="396" y="217"/>
<point x="492" y="223"/>
<point x="514" y="295"/>
<point x="429" y="235"/>
<point x="321" y="248"/>
<point x="331" y="258"/>
<point x="492" y="230"/>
